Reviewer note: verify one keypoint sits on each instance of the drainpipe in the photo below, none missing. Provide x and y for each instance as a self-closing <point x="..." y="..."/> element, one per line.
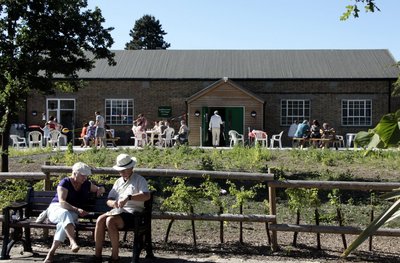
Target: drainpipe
<point x="390" y="97"/>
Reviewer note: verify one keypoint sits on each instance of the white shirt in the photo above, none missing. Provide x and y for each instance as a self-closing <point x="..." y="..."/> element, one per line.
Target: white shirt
<point x="215" y="121"/>
<point x="121" y="189"/>
<point x="292" y="130"/>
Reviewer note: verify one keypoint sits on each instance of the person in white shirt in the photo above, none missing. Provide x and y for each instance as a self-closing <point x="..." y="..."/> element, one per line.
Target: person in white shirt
<point x="127" y="195"/>
<point x="215" y="128"/>
<point x="292" y="129"/>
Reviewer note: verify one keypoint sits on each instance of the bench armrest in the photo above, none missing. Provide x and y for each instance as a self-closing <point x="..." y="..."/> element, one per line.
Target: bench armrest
<point x="14" y="212"/>
<point x="16" y="205"/>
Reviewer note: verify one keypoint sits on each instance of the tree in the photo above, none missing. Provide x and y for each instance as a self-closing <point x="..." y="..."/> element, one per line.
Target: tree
<point x="38" y="40"/>
<point x="369" y="6"/>
<point x="147" y="34"/>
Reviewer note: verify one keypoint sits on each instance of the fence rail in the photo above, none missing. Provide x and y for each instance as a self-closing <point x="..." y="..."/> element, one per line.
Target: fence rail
<point x="49" y="171"/>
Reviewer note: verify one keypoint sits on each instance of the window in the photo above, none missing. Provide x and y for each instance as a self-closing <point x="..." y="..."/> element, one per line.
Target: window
<point x="119" y="111"/>
<point x="292" y="110"/>
<point x="356" y="112"/>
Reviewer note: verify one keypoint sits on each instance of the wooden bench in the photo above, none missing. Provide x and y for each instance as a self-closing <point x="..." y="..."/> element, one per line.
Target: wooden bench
<point x="296" y="142"/>
<point x="19" y="219"/>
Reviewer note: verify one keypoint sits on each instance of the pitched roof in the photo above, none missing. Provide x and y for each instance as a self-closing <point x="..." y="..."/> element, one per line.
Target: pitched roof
<point x="247" y="64"/>
<point x="219" y="83"/>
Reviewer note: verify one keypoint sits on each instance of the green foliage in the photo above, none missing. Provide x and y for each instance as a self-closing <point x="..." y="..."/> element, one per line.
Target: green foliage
<point x="212" y="190"/>
<point x="385" y="134"/>
<point x="41" y="39"/>
<point x="391" y="213"/>
<point x="147" y="33"/>
<point x="12" y="190"/>
<point x="369" y="6"/>
<point x="334" y="198"/>
<point x="241" y="194"/>
<point x="300" y="198"/>
<point x="183" y="197"/>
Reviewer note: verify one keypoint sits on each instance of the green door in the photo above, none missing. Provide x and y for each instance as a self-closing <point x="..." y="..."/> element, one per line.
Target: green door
<point x="205" y="141"/>
<point x="233" y="118"/>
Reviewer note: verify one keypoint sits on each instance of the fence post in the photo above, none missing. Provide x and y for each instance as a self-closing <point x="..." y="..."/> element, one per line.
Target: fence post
<point x="47" y="180"/>
<point x="272" y="211"/>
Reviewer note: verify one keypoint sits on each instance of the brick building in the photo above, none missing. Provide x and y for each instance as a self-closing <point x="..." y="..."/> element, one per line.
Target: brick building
<point x="256" y="89"/>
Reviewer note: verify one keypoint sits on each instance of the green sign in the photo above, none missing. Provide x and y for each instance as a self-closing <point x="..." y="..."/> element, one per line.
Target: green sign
<point x="164" y="111"/>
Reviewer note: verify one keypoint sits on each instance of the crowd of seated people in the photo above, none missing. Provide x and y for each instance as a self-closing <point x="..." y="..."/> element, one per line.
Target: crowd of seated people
<point x="315" y="131"/>
<point x="158" y="133"/>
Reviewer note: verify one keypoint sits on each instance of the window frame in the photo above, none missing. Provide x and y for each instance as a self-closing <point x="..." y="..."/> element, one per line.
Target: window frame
<point x="363" y="110"/>
<point x="119" y="111"/>
<point x="303" y="105"/>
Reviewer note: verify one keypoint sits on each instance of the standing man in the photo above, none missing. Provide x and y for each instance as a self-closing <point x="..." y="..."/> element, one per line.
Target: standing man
<point x="215" y="128"/>
<point x="100" y="133"/>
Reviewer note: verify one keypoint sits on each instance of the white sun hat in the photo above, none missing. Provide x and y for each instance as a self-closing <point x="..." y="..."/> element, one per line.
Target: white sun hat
<point x="124" y="161"/>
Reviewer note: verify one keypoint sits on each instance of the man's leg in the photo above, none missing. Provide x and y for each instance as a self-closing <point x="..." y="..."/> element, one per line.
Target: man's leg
<point x="114" y="223"/>
<point x="99" y="234"/>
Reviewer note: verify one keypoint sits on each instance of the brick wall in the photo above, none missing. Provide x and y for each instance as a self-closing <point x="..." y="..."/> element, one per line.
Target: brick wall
<point x="325" y="98"/>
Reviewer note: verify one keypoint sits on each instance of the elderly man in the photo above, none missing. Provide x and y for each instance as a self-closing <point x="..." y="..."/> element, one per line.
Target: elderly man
<point x="128" y="195"/>
<point x="215" y="128"/>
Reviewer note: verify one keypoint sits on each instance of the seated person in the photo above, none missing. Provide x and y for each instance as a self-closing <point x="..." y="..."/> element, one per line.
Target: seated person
<point x="182" y="135"/>
<point x="327" y="133"/>
<point x="314" y="132"/>
<point x="83" y="132"/>
<point x="303" y="131"/>
<point x="90" y="132"/>
<point x="109" y="134"/>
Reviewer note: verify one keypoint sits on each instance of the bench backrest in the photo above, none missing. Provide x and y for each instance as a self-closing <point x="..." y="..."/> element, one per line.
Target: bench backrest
<point x="38" y="201"/>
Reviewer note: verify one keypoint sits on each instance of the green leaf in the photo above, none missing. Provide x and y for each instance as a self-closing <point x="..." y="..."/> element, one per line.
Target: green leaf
<point x="363" y="138"/>
<point x="388" y="129"/>
<point x="372" y="227"/>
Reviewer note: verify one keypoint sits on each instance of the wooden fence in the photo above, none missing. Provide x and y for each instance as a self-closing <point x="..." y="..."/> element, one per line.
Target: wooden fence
<point x="50" y="171"/>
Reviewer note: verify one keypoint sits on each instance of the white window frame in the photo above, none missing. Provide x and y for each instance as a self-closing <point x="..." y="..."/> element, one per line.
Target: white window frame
<point x="56" y="111"/>
<point x="119" y="111"/>
<point x="294" y="109"/>
<point x="356" y="112"/>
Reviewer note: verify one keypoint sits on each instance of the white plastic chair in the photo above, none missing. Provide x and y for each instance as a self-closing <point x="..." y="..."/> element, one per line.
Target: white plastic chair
<point x="18" y="141"/>
<point x="169" y="136"/>
<point x="54" y="139"/>
<point x="140" y="138"/>
<point x="35" y="138"/>
<point x="261" y="136"/>
<point x="276" y="138"/>
<point x="340" y="141"/>
<point x="235" y="138"/>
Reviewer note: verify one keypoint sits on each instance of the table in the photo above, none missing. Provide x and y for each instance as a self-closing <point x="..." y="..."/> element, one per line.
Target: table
<point x="151" y="134"/>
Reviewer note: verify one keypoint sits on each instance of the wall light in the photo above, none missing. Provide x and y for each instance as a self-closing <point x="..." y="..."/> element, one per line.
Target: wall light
<point x="34" y="113"/>
<point x="197" y="113"/>
<point x="253" y="114"/>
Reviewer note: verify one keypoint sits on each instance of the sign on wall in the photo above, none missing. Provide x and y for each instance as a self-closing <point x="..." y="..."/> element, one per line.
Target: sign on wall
<point x="164" y="112"/>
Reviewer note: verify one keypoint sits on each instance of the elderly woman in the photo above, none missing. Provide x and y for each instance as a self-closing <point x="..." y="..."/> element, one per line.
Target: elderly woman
<point x="66" y="206"/>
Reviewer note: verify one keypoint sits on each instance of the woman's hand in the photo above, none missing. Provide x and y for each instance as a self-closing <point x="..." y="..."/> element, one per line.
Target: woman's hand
<point x="81" y="212"/>
<point x="100" y="191"/>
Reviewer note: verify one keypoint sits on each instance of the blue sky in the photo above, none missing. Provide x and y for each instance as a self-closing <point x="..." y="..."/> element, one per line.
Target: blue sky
<point x="258" y="24"/>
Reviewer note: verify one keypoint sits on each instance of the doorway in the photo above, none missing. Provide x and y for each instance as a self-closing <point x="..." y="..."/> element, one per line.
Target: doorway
<point x="232" y="117"/>
<point x="64" y="111"/>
